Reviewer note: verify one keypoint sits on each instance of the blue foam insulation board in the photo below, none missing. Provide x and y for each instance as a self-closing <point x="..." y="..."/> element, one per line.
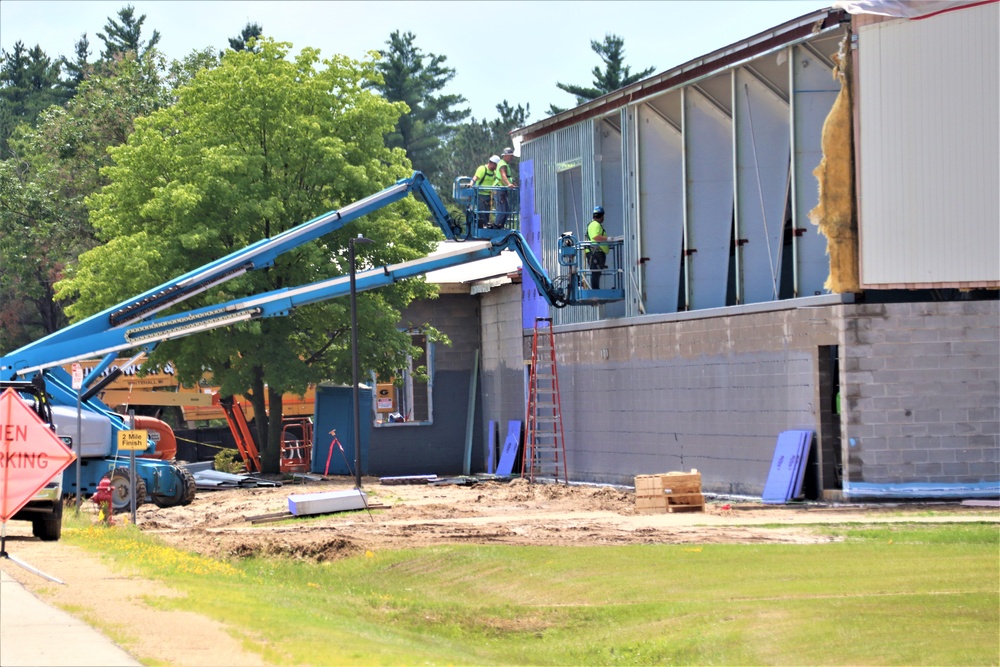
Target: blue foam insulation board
<point x="510" y="447"/>
<point x="784" y="480"/>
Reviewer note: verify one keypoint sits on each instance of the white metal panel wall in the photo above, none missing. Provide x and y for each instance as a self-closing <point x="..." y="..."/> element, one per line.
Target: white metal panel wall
<point x="609" y="162"/>
<point x="763" y="157"/>
<point x="929" y="99"/>
<point x="814" y="90"/>
<point x="661" y="209"/>
<point x="708" y="137"/>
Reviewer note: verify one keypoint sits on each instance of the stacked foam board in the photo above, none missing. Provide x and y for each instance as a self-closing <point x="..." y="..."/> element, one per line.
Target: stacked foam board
<point x="788" y="468"/>
<point x="669" y="492"/>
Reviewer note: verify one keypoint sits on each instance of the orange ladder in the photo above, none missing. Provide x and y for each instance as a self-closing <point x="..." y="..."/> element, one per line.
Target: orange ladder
<point x="544" y="448"/>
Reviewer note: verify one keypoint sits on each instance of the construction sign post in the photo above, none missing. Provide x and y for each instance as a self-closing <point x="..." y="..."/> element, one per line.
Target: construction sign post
<point x="135" y="440"/>
<point x="30" y="454"/>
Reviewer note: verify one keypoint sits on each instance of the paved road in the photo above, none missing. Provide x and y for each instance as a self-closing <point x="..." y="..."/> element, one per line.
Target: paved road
<point x="35" y="633"/>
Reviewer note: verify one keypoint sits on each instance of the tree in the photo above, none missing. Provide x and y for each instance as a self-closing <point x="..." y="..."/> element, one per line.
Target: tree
<point x="182" y="72"/>
<point x="126" y="36"/>
<point x="242" y="41"/>
<point x="44" y="221"/>
<point x="475" y="141"/>
<point x="28" y="244"/>
<point x="29" y="83"/>
<point x="410" y="76"/>
<point x="614" y="76"/>
<point x="252" y="148"/>
<point x="78" y="69"/>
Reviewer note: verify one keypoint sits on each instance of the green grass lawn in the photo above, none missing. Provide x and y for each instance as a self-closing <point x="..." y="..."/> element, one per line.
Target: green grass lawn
<point x="902" y="594"/>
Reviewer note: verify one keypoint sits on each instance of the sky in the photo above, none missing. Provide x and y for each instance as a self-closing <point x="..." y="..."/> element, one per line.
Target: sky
<point x="514" y="51"/>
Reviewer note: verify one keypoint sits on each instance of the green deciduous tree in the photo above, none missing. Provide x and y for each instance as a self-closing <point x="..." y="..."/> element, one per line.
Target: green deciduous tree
<point x="252" y="148"/>
<point x="411" y="76"/>
<point x="615" y="74"/>
<point x="30" y="248"/>
<point x="43" y="216"/>
<point x="125" y="35"/>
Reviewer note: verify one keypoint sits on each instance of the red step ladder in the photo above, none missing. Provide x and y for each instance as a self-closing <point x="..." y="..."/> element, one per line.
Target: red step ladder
<point x="544" y="447"/>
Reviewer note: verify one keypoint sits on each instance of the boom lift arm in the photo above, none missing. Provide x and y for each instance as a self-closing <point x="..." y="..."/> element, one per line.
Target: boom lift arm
<point x="259" y="255"/>
<point x="129" y="325"/>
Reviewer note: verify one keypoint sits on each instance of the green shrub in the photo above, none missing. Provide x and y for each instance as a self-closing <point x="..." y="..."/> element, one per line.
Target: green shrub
<point x="227" y="461"/>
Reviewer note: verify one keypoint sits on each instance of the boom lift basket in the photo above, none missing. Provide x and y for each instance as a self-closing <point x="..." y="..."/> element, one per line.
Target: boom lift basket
<point x="489" y="212"/>
<point x="611" y="281"/>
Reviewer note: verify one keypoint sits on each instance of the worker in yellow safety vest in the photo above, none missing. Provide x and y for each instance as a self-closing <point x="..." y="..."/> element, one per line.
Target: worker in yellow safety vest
<point x="505" y="178"/>
<point x="597" y="254"/>
<point x="486" y="177"/>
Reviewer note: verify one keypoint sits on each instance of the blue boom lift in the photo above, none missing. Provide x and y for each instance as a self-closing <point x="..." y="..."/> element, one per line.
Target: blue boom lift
<point x="130" y="324"/>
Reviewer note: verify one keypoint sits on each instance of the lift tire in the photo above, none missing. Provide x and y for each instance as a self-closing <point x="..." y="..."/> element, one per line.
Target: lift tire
<point x="48" y="528"/>
<point x="120" y="490"/>
<point x="184" y="493"/>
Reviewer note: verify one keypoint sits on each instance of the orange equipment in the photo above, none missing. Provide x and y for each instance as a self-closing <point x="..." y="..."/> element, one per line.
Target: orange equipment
<point x="160" y="433"/>
<point x="240" y="429"/>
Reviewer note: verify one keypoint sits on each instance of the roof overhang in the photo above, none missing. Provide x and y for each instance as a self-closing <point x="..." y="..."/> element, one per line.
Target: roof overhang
<point x="794" y="31"/>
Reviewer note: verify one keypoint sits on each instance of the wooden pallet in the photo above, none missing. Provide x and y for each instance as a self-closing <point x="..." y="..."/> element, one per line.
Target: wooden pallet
<point x="669" y="492"/>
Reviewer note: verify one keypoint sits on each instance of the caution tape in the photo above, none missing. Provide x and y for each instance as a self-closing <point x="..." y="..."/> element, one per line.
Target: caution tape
<point x="202" y="444"/>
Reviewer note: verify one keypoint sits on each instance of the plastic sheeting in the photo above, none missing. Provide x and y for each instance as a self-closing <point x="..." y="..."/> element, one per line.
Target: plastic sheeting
<point x="905" y="9"/>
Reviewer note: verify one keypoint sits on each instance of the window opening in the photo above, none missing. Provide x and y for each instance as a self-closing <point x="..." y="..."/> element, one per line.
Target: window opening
<point x="406" y="397"/>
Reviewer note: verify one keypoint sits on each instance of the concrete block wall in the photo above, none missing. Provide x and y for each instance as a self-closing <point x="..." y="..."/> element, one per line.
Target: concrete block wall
<point x="502" y="378"/>
<point x="920" y="387"/>
<point x="710" y="393"/>
<point x="918" y="382"/>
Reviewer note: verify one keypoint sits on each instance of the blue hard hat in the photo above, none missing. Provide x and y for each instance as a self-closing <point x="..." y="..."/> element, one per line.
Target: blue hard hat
<point x="598" y="210"/>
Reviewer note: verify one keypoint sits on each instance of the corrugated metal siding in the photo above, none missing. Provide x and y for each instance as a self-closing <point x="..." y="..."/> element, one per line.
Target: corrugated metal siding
<point x="568" y="145"/>
<point x="929" y="102"/>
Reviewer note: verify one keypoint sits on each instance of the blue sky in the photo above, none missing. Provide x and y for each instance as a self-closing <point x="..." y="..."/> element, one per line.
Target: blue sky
<point x="500" y="50"/>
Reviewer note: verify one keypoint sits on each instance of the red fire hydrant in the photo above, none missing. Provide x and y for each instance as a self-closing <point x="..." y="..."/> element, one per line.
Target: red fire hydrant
<point x="103" y="499"/>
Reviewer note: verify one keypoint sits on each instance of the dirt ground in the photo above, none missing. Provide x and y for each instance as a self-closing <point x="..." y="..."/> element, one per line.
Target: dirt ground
<point x="218" y="524"/>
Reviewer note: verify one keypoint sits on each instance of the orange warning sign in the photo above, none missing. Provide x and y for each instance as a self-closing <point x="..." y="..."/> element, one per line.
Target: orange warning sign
<point x="30" y="454"/>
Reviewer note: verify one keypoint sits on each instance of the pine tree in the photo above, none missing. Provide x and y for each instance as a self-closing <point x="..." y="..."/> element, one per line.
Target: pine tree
<point x="29" y="84"/>
<point x="77" y="69"/>
<point x="250" y="31"/>
<point x="614" y="76"/>
<point x="126" y="36"/>
<point x="411" y="76"/>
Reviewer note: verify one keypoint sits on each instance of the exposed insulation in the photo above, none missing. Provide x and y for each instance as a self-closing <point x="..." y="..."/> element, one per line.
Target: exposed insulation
<point x="835" y="214"/>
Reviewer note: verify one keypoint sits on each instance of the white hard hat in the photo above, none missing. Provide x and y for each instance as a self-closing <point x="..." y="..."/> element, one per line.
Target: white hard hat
<point x="495" y="159"/>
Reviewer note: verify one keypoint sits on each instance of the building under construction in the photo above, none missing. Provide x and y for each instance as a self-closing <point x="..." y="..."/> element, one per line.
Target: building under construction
<point x="811" y="241"/>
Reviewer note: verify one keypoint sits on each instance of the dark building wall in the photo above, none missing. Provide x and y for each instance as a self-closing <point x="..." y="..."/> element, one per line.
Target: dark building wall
<point x="437" y="448"/>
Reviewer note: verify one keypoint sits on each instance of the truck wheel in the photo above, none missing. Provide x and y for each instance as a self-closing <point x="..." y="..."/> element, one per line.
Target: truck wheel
<point x="183" y="493"/>
<point x="120" y="490"/>
<point x="48" y="528"/>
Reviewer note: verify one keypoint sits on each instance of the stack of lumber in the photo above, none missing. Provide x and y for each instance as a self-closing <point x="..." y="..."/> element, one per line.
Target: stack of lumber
<point x="669" y="492"/>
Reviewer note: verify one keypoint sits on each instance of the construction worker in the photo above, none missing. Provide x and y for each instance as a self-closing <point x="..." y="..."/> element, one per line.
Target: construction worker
<point x="505" y="176"/>
<point x="486" y="177"/>
<point x="597" y="254"/>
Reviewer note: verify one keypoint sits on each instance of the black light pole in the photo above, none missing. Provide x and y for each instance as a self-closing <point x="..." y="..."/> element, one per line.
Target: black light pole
<point x="354" y="360"/>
